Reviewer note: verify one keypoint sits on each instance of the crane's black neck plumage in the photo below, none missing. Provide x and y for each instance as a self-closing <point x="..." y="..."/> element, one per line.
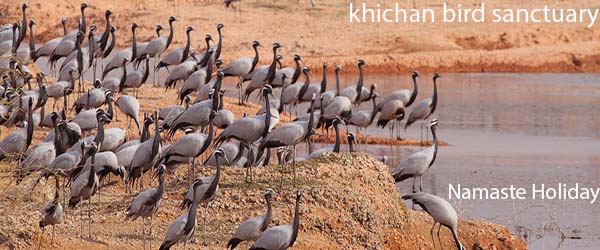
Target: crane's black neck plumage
<point x="305" y="86"/>
<point x="29" y="123"/>
<point x="359" y="84"/>
<point x="146" y="71"/>
<point x="267" y="115"/>
<point x="297" y="71"/>
<point x="337" y="82"/>
<point x="255" y="60"/>
<point x="212" y="188"/>
<point x="191" y="220"/>
<point x="123" y="77"/>
<point x="435" y="145"/>
<point x="170" y="37"/>
<point x="133" y="43"/>
<point x="64" y="24"/>
<point x="156" y="141"/>
<point x="336" y="147"/>
<point x="99" y="138"/>
<point x="296" y="223"/>
<point x="109" y="112"/>
<point x="82" y="27"/>
<point x="31" y="42"/>
<point x="219" y="44"/>
<point x="111" y="45"/>
<point x="268" y="214"/>
<point x="209" y="136"/>
<point x="324" y="80"/>
<point x="272" y="68"/>
<point x="434" y="99"/>
<point x="311" y="119"/>
<point x="186" y="49"/>
<point x="104" y="37"/>
<point x="209" y="70"/>
<point x="413" y="95"/>
<point x="374" y="111"/>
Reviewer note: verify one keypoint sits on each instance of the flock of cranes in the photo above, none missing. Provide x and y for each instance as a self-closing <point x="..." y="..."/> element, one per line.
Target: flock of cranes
<point x="83" y="160"/>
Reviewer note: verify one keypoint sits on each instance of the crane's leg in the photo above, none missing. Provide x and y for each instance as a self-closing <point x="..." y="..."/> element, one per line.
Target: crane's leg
<point x="53" y="233"/>
<point x="80" y="218"/>
<point x="144" y="231"/>
<point x="294" y="163"/>
<point x="204" y="242"/>
<point x="438" y="234"/>
<point x="40" y="243"/>
<point x="420" y="183"/>
<point x="90" y="216"/>
<point x="422" y="135"/>
<point x="414" y="181"/>
<point x="239" y="86"/>
<point x="150" y="236"/>
<point x="431" y="233"/>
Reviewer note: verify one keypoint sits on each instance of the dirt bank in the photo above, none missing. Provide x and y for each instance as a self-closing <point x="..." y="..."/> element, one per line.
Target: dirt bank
<point x="324" y="33"/>
<point x="350" y="201"/>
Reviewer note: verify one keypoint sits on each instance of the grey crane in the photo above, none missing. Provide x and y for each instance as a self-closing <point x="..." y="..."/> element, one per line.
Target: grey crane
<point x="158" y="46"/>
<point x="182" y="71"/>
<point x="335" y="148"/>
<point x="417" y="164"/>
<point x="94" y="98"/>
<point x="199" y="81"/>
<point x="392" y="111"/>
<point x="145" y="156"/>
<point x="198" y="113"/>
<point x="51" y="214"/>
<point x="257" y="81"/>
<point x="114" y="84"/>
<point x="130" y="106"/>
<point x="17" y="142"/>
<point x="355" y="92"/>
<point x="251" y="229"/>
<point x="217" y="53"/>
<point x="178" y="55"/>
<point x="281" y="237"/>
<point x="129" y="53"/>
<point x="66" y="163"/>
<point x="273" y="68"/>
<point x="289" y="134"/>
<point x="317" y="89"/>
<point x="146" y="203"/>
<point x="38" y="157"/>
<point x="364" y="118"/>
<point x="46" y="49"/>
<point x="83" y="187"/>
<point x="191" y="145"/>
<point x="250" y="128"/>
<point x="233" y="150"/>
<point x="182" y="229"/>
<point x="426" y="107"/>
<point x="339" y="106"/>
<point x="207" y="191"/>
<point x="242" y="67"/>
<point x="61" y="88"/>
<point x="407" y="97"/>
<point x="441" y="211"/>
<point x="329" y="95"/>
<point x="86" y="120"/>
<point x="291" y="93"/>
<point x="135" y="79"/>
<point x="67" y="43"/>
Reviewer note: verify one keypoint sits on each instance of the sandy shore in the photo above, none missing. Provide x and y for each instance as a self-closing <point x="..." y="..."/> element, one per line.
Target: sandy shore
<point x="324" y="33"/>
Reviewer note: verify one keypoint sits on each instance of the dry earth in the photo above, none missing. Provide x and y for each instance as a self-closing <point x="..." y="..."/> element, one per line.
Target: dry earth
<point x="324" y="33"/>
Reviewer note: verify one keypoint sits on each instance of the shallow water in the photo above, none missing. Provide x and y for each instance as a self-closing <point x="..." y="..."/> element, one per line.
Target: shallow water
<point x="512" y="129"/>
<point x="507" y="129"/>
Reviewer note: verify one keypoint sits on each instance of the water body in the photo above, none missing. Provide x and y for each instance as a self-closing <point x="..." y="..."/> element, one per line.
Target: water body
<point x="511" y="129"/>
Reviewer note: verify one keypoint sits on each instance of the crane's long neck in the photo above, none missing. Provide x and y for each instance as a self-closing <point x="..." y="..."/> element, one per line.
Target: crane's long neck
<point x="219" y="44"/>
<point x="99" y="138"/>
<point x="91" y="48"/>
<point x="161" y="186"/>
<point x="311" y="119"/>
<point x="186" y="49"/>
<point x="254" y="61"/>
<point x="324" y="81"/>
<point x="146" y="71"/>
<point x="14" y="38"/>
<point x="92" y="169"/>
<point x="374" y="112"/>
<point x="267" y="115"/>
<point x="337" y="83"/>
<point x="305" y="86"/>
<point x="336" y="147"/>
<point x="296" y="223"/>
<point x="434" y="99"/>
<point x="208" y="71"/>
<point x="280" y="108"/>
<point x="209" y="137"/>
<point x="435" y="145"/>
<point x="459" y="245"/>
<point x="104" y="38"/>
<point x="111" y="45"/>
<point x="64" y="24"/>
<point x="123" y="77"/>
<point x="272" y="68"/>
<point x="110" y="108"/>
<point x="145" y="132"/>
<point x="268" y="214"/>
<point x="57" y="187"/>
<point x="58" y="137"/>
<point x="240" y="152"/>
<point x="191" y="220"/>
<point x="24" y="24"/>
<point x="413" y="95"/>
<point x="297" y="72"/>
<point x="133" y="45"/>
<point x="29" y="126"/>
<point x="170" y="38"/>
<point x="359" y="84"/>
<point x="156" y="141"/>
<point x="215" y="182"/>
<point x="350" y="146"/>
<point x="83" y="24"/>
<point x="31" y="42"/>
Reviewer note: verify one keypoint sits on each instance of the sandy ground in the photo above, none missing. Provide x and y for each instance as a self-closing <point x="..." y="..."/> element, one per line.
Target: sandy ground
<point x="349" y="202"/>
<point x="324" y="33"/>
